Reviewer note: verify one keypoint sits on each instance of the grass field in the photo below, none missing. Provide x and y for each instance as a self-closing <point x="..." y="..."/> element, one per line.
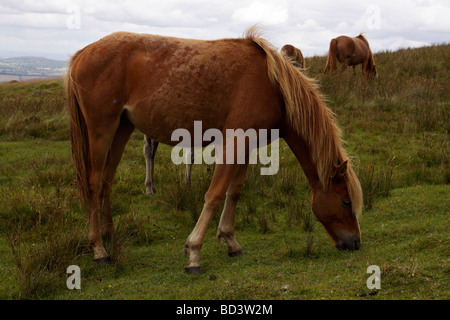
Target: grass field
<point x="395" y="127"/>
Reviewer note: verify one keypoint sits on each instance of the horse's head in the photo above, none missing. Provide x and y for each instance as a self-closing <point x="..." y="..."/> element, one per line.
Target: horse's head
<point x="335" y="209"/>
<point x="372" y="71"/>
<point x="371" y="68"/>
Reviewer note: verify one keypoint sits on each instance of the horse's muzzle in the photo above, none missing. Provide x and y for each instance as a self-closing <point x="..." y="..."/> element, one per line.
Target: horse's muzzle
<point x="349" y="243"/>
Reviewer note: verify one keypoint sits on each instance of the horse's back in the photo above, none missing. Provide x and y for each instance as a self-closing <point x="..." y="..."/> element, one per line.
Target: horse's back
<point x="131" y="51"/>
<point x="352" y="50"/>
<point x="166" y="83"/>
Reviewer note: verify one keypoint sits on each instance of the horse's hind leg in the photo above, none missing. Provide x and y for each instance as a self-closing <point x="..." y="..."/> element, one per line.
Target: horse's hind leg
<point x="225" y="231"/>
<point x="123" y="133"/>
<point x="150" y="147"/>
<point x="223" y="175"/>
<point x="187" y="176"/>
<point x="100" y="140"/>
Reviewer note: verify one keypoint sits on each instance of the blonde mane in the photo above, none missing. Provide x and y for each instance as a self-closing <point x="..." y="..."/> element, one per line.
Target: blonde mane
<point x="371" y="65"/>
<point x="311" y="118"/>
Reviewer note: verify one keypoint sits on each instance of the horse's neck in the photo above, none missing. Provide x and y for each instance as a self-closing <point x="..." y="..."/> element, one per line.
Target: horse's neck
<point x="301" y="152"/>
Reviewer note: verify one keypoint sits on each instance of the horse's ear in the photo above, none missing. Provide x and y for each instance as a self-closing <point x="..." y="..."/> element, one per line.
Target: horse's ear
<point x="341" y="171"/>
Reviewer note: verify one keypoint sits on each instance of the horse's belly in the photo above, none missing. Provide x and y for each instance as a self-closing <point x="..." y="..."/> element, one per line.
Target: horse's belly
<point x="160" y="119"/>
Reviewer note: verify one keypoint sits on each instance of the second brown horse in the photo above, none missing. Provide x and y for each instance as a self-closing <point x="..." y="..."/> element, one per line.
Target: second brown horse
<point x="294" y="55"/>
<point x="351" y="52"/>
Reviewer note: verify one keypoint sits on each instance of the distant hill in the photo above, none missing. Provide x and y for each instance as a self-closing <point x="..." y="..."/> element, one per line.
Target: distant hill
<point x="23" y="68"/>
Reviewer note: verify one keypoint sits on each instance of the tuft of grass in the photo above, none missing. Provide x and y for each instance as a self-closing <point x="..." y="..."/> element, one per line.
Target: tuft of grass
<point x="375" y="183"/>
<point x="310" y="243"/>
<point x="35" y="109"/>
<point x="42" y="255"/>
<point x="185" y="197"/>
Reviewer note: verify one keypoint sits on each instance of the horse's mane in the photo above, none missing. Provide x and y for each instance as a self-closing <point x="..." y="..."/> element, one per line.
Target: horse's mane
<point x="371" y="60"/>
<point x="361" y="36"/>
<point x="309" y="116"/>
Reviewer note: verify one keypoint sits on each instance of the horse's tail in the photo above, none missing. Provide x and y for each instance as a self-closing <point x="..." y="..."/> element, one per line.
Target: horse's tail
<point x="78" y="135"/>
<point x="332" y="54"/>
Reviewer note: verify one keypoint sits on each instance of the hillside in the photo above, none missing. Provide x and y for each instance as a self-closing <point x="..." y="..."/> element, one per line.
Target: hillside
<point x="396" y="129"/>
<point x="31" y="67"/>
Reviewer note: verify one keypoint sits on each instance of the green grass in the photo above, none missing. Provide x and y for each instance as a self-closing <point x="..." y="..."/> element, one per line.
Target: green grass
<point x="396" y="128"/>
<point x="33" y="109"/>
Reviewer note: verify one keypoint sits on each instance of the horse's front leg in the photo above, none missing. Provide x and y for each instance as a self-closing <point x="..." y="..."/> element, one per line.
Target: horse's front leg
<point x="225" y="230"/>
<point x="364" y="68"/>
<point x="344" y="66"/>
<point x="223" y="175"/>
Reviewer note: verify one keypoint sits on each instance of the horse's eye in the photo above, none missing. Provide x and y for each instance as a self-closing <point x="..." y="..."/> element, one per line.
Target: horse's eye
<point x="346" y="203"/>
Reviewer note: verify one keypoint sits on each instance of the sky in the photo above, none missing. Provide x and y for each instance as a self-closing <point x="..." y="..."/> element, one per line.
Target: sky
<point x="58" y="28"/>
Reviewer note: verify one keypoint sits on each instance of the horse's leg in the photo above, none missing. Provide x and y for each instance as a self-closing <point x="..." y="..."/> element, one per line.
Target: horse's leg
<point x="100" y="140"/>
<point x="364" y="67"/>
<point x="123" y="133"/>
<point x="225" y="231"/>
<point x="223" y="175"/>
<point x="150" y="147"/>
<point x="343" y="67"/>
<point x="354" y="71"/>
<point x="187" y="176"/>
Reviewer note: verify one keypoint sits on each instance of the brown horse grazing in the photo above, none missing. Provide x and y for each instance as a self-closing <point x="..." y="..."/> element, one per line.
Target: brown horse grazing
<point x="158" y="84"/>
<point x="351" y="52"/>
<point x="294" y="54"/>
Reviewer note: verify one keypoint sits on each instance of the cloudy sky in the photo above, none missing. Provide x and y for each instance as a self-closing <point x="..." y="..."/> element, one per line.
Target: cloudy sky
<point x="58" y="28"/>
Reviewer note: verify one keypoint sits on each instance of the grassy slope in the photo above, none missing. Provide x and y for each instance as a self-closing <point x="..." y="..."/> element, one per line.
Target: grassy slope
<point x="396" y="127"/>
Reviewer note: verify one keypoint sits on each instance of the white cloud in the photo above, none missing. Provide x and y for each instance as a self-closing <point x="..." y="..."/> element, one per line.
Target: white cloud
<point x="42" y="25"/>
<point x="309" y="25"/>
<point x="267" y="13"/>
<point x="342" y="27"/>
<point x="33" y="20"/>
<point x="395" y="43"/>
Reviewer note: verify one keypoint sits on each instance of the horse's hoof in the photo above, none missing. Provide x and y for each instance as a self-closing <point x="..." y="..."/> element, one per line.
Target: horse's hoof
<point x="107" y="237"/>
<point x="193" y="270"/>
<point x="103" y="261"/>
<point x="236" y="254"/>
<point x="150" y="190"/>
